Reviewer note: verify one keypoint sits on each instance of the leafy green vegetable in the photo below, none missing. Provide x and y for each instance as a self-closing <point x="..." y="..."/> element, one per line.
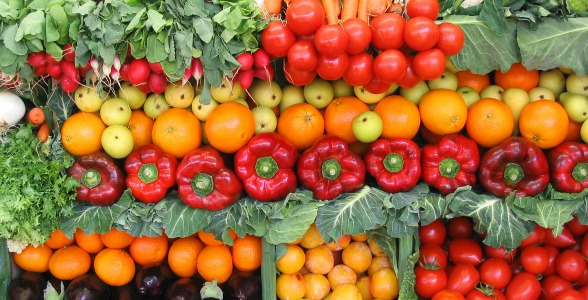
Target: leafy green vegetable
<point x="549" y="213"/>
<point x="5" y="267"/>
<point x="408" y="281"/>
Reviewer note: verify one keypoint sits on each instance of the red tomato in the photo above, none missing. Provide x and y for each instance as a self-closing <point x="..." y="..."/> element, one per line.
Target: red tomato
<point x="451" y="39"/>
<point x="376" y="86"/>
<point x="564" y="240"/>
<point x="506" y="254"/>
<point x="534" y="259"/>
<point x="305" y="17"/>
<point x="584" y="291"/>
<point x="359" y="35"/>
<point x="359" y="69"/>
<point x="576" y="228"/>
<point x="387" y="31"/>
<point x="296" y="77"/>
<point x="448" y="295"/>
<point x="423" y="8"/>
<point x="584" y="280"/>
<point x="460" y="227"/>
<point x="302" y="56"/>
<point x="570" y="295"/>
<point x="495" y="272"/>
<point x="570" y="265"/>
<point x="390" y="66"/>
<point x="429" y="64"/>
<point x="429" y="282"/>
<point x="516" y="267"/>
<point x="465" y="251"/>
<point x="584" y="246"/>
<point x="433" y="233"/>
<point x="553" y="285"/>
<point x="277" y="38"/>
<point x="421" y="33"/>
<point x="410" y="78"/>
<point x="332" y="68"/>
<point x="552" y="253"/>
<point x="524" y="286"/>
<point x="476" y="294"/>
<point x="331" y="40"/>
<point x="536" y="237"/>
<point x="431" y="254"/>
<point x="463" y="278"/>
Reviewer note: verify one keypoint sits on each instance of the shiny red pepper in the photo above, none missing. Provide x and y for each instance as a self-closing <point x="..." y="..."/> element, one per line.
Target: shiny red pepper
<point x="205" y="182"/>
<point x="568" y="167"/>
<point x="329" y="168"/>
<point x="450" y="163"/>
<point x="150" y="173"/>
<point x="394" y="163"/>
<point x="266" y="167"/>
<point x="102" y="181"/>
<point x="516" y="165"/>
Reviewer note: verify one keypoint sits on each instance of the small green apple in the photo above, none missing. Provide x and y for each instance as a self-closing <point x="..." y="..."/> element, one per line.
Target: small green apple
<point x="366" y="96"/>
<point x="392" y="89"/>
<point x="492" y="91"/>
<point x="202" y="111"/>
<point x="291" y="94"/>
<point x="117" y="141"/>
<point x="577" y="84"/>
<point x="132" y="94"/>
<point x="155" y="105"/>
<point x="319" y="93"/>
<point x="415" y="93"/>
<point x="88" y="100"/>
<point x="541" y="93"/>
<point x="242" y="101"/>
<point x="367" y="126"/>
<point x="178" y="95"/>
<point x="265" y="93"/>
<point x="265" y="119"/>
<point x="554" y="80"/>
<point x="575" y="105"/>
<point x="115" y="111"/>
<point x="516" y="99"/>
<point x="342" y="88"/>
<point x="450" y="66"/>
<point x="227" y="91"/>
<point x="447" y="80"/>
<point x="469" y="95"/>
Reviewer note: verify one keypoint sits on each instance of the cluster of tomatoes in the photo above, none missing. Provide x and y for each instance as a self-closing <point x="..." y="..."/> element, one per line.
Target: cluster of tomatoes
<point x="454" y="264"/>
<point x="64" y="70"/>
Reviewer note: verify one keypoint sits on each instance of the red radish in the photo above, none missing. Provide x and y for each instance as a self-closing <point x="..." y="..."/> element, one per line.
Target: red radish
<point x="41" y="71"/>
<point x="69" y="69"/>
<point x="157" y="83"/>
<point x="114" y="74"/>
<point x="144" y="88"/>
<point x="94" y="64"/>
<point x="69" y="85"/>
<point x="124" y="71"/>
<point x="68" y="53"/>
<point x="116" y="63"/>
<point x="50" y="59"/>
<point x="54" y="70"/>
<point x="106" y="69"/>
<point x="197" y="69"/>
<point x="86" y="67"/>
<point x="261" y="58"/>
<point x="266" y="73"/>
<point x="37" y="59"/>
<point x="187" y="74"/>
<point x="156" y="67"/>
<point x="246" y="61"/>
<point x="246" y="78"/>
<point x="139" y="71"/>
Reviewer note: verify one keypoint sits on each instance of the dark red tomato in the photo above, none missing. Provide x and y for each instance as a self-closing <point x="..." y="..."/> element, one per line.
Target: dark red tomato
<point x="536" y="237"/>
<point x="516" y="267"/>
<point x="463" y="278"/>
<point x="305" y="17"/>
<point x="570" y="265"/>
<point x="477" y="294"/>
<point x="359" y="69"/>
<point x="431" y="254"/>
<point x="465" y="251"/>
<point x="429" y="64"/>
<point x="410" y="78"/>
<point x="387" y="31"/>
<point x="451" y="39"/>
<point x="448" y="295"/>
<point x="332" y="68"/>
<point x="296" y="77"/>
<point x="429" y="282"/>
<point x="552" y="252"/>
<point x="302" y="56"/>
<point x="584" y="246"/>
<point x="553" y="285"/>
<point x="460" y="227"/>
<point x="564" y="240"/>
<point x="423" y="8"/>
<point x="421" y="33"/>
<point x="570" y="295"/>
<point x="534" y="259"/>
<point x="359" y="35"/>
<point x="576" y="246"/>
<point x="576" y="228"/>
<point x="277" y="38"/>
<point x="495" y="272"/>
<point x="506" y="254"/>
<point x="433" y="233"/>
<point x="331" y="40"/>
<point x="390" y="66"/>
<point x="524" y="286"/>
<point x="376" y="86"/>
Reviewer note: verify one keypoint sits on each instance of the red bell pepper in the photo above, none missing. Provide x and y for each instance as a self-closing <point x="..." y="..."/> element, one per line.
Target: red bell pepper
<point x="266" y="167"/>
<point x="102" y="181"/>
<point x="394" y="163"/>
<point x="516" y="165"/>
<point x="205" y="182"/>
<point x="451" y="163"/>
<point x="328" y="168"/>
<point x="150" y="173"/>
<point x="568" y="166"/>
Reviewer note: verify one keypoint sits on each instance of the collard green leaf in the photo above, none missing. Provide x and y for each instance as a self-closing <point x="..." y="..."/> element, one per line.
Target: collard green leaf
<point x="549" y="213"/>
<point x="387" y="243"/>
<point x="296" y="221"/>
<point x="407" y="291"/>
<point x="402" y="199"/>
<point x="493" y="14"/>
<point x="141" y="219"/>
<point x="61" y="104"/>
<point x="428" y="209"/>
<point x="204" y="29"/>
<point x="180" y="220"/>
<point x="401" y="223"/>
<point x="582" y="212"/>
<point x="221" y="221"/>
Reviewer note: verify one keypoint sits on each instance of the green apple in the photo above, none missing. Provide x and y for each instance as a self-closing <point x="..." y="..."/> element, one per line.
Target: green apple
<point x="447" y="80"/>
<point x="155" y="105"/>
<point x="492" y="91"/>
<point x="291" y="94"/>
<point x="575" y="105"/>
<point x="392" y="89"/>
<point x="115" y="111"/>
<point x="554" y="80"/>
<point x="132" y="94"/>
<point x="415" y="93"/>
<point x="202" y="111"/>
<point x="117" y="141"/>
<point x="319" y="93"/>
<point x="342" y="88"/>
<point x="449" y="65"/>
<point x="177" y="95"/>
<point x="577" y="84"/>
<point x="265" y="93"/>
<point x="88" y="100"/>
<point x="265" y="119"/>
<point x="366" y="96"/>
<point x="584" y="132"/>
<point x="367" y="126"/>
<point x="541" y="93"/>
<point x="227" y="91"/>
<point x="242" y="101"/>
<point x="469" y="95"/>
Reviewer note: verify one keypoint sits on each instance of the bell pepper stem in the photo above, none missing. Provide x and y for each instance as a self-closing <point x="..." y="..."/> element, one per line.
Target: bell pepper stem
<point x="91" y="178"/>
<point x="148" y="173"/>
<point x="393" y="162"/>
<point x="266" y="167"/>
<point x="449" y="167"/>
<point x="331" y="169"/>
<point x="202" y="184"/>
<point x="580" y="172"/>
<point x="513" y="173"/>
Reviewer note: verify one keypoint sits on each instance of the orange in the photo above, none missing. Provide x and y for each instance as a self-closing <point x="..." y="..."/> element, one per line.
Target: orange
<point x="363" y="285"/>
<point x="183" y="255"/>
<point x="443" y="111"/>
<point x="339" y="116"/>
<point x="148" y="250"/>
<point x="290" y="286"/>
<point x="357" y="256"/>
<point x="311" y="238"/>
<point x="346" y="292"/>
<point x="141" y="127"/>
<point x="476" y="81"/>
<point x="384" y="284"/>
<point x="377" y="263"/>
<point x="574" y="131"/>
<point x="317" y="286"/>
<point x="210" y="240"/>
<point x="489" y="122"/>
<point x="114" y="266"/>
<point x="341" y="274"/>
<point x="34" y="259"/>
<point x="247" y="253"/>
<point x="81" y="133"/>
<point x="91" y="243"/>
<point x="215" y="262"/>
<point x="116" y="238"/>
<point x="292" y="261"/>
<point x="301" y="124"/>
<point x="177" y="131"/>
<point x="517" y="76"/>
<point x="400" y="117"/>
<point x="229" y="127"/>
<point x="544" y="123"/>
<point x="69" y="262"/>
<point x="340" y="244"/>
<point x="319" y="260"/>
<point x="58" y="240"/>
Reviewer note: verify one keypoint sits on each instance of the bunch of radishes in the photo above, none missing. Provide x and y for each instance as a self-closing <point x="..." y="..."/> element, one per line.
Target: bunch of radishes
<point x="64" y="71"/>
<point x="256" y="64"/>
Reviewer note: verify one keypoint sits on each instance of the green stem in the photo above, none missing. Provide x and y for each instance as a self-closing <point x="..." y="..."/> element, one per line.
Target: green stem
<point x="91" y="178"/>
<point x="202" y="184"/>
<point x="148" y="173"/>
<point x="331" y="169"/>
<point x="449" y="167"/>
<point x="266" y="167"/>
<point x="513" y="173"/>
<point x="580" y="172"/>
<point x="393" y="162"/>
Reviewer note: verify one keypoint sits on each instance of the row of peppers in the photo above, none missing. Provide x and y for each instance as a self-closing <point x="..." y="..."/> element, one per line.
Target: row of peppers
<point x="269" y="167"/>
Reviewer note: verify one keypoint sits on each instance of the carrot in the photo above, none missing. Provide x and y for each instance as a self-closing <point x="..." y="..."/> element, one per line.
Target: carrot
<point x="362" y="12"/>
<point x="43" y="132"/>
<point x="273" y="7"/>
<point x="349" y="9"/>
<point x="330" y="12"/>
<point x="287" y="2"/>
<point x="377" y="7"/>
<point x="36" y="116"/>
